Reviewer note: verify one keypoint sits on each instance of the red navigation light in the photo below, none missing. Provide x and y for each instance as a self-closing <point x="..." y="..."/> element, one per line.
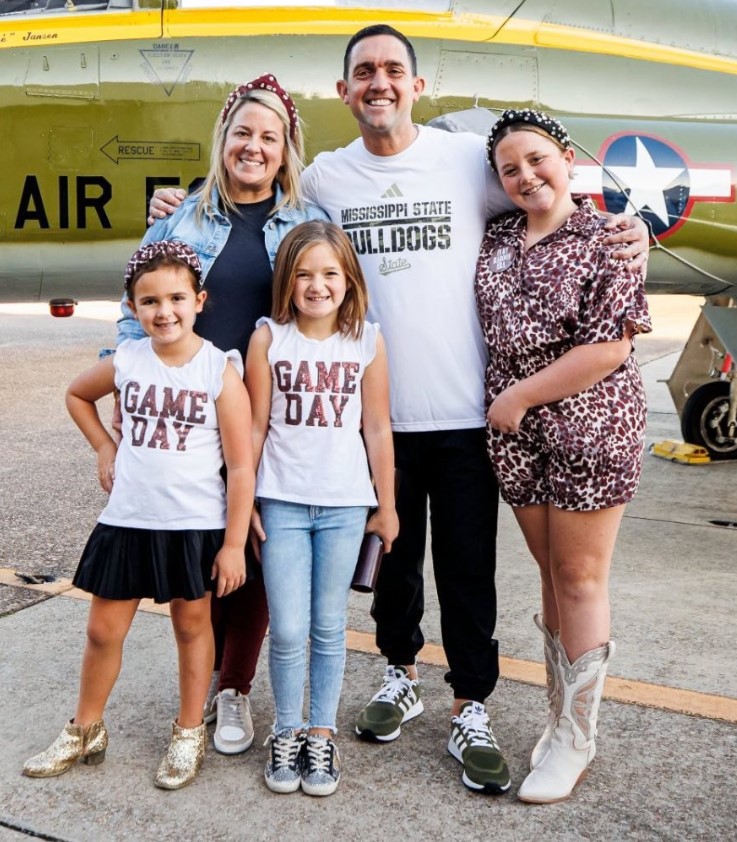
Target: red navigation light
<point x="62" y="307"/>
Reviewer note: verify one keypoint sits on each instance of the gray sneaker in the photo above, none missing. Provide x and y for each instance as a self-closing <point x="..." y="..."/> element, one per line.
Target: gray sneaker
<point x="283" y="770"/>
<point x="234" y="729"/>
<point x="397" y="702"/>
<point x="321" y="769"/>
<point x="210" y="711"/>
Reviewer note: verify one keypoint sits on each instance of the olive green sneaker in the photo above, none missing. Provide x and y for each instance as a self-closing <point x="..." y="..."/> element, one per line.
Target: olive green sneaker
<point x="473" y="744"/>
<point x="397" y="702"/>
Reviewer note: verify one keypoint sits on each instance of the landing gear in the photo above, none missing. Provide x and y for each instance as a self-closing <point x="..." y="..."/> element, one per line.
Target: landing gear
<point x="705" y="420"/>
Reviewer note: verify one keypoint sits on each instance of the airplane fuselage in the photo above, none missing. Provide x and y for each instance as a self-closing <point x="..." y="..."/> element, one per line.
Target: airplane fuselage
<point x="100" y="107"/>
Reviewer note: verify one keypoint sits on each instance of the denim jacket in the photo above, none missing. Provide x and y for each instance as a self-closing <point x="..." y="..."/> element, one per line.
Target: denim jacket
<point x="208" y="237"/>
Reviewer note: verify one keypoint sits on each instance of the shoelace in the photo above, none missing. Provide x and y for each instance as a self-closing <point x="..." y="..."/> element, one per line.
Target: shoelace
<point x="392" y="687"/>
<point x="232" y="711"/>
<point x="285" y="749"/>
<point x="475" y="722"/>
<point x="319" y="755"/>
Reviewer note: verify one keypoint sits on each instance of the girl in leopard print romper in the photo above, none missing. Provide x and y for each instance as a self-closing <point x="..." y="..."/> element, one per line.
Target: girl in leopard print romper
<point x="566" y="416"/>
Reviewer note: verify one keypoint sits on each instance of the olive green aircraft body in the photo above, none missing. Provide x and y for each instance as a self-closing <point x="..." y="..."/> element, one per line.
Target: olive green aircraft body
<point x="101" y="101"/>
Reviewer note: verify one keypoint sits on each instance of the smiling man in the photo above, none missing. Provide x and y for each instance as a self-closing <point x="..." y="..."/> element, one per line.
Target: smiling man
<point x="414" y="201"/>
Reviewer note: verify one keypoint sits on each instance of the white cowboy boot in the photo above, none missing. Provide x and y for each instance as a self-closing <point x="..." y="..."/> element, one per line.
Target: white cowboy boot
<point x="573" y="741"/>
<point x="555" y="696"/>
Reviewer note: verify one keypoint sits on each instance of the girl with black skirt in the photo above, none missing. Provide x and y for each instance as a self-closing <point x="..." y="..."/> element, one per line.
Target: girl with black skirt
<point x="170" y="532"/>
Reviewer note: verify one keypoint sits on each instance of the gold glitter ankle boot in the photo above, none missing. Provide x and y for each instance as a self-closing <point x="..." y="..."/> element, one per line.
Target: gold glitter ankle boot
<point x="73" y="744"/>
<point x="183" y="759"/>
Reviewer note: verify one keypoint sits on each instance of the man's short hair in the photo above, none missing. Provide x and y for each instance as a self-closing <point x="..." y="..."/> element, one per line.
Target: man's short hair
<point x="371" y="32"/>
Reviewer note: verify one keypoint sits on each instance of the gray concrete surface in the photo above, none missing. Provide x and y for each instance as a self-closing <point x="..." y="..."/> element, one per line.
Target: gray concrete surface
<point x="659" y="775"/>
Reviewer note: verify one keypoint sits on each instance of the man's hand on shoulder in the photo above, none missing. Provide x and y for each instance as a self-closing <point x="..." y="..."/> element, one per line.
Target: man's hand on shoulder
<point x="634" y="236"/>
<point x="164" y="202"/>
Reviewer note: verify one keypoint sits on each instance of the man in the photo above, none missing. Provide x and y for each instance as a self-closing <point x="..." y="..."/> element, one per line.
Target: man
<point x="414" y="201"/>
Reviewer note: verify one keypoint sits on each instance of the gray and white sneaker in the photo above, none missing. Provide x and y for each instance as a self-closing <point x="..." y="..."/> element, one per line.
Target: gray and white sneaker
<point x="321" y="769"/>
<point x="234" y="729"/>
<point x="283" y="770"/>
<point x="210" y="711"/>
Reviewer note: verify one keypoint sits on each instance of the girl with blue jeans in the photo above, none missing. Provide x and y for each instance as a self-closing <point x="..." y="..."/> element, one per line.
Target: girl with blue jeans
<point x="317" y="376"/>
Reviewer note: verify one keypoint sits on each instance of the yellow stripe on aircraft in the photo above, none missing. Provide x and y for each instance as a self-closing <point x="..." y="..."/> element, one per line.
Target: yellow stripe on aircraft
<point x="465" y="28"/>
<point x="550" y="36"/>
<point x="79" y="28"/>
<point x="260" y="21"/>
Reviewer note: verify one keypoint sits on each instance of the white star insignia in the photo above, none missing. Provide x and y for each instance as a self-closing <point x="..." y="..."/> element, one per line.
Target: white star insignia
<point x="647" y="182"/>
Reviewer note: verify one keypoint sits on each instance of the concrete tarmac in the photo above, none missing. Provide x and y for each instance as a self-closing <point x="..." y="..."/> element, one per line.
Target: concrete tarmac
<point x="667" y="747"/>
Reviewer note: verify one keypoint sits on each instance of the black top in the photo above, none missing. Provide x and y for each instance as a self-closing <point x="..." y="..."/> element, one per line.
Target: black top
<point x="239" y="283"/>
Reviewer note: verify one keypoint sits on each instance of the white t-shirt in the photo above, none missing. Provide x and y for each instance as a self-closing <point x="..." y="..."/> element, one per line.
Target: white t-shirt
<point x="416" y="220"/>
<point x="167" y="470"/>
<point x="314" y="452"/>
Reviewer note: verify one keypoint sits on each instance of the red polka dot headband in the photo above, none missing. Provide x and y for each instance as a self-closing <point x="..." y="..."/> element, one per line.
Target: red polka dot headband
<point x="170" y="248"/>
<point x="266" y="82"/>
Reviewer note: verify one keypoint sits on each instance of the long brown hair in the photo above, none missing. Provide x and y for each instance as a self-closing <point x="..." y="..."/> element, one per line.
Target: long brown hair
<point x="352" y="311"/>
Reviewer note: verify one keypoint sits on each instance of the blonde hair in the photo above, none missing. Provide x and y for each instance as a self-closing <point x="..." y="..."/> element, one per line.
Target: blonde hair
<point x="352" y="311"/>
<point x="289" y="172"/>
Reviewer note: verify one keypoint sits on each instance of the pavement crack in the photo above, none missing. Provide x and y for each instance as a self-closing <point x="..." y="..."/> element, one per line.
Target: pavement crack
<point x="19" y="827"/>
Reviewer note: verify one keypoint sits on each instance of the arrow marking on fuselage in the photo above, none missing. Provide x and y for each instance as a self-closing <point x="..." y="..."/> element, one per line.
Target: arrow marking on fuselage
<point x="147" y="150"/>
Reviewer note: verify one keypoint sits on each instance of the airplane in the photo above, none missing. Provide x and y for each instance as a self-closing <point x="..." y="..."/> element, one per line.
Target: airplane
<point x="103" y="101"/>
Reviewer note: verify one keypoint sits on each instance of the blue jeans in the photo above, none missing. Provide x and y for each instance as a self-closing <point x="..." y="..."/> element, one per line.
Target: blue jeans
<point x="308" y="560"/>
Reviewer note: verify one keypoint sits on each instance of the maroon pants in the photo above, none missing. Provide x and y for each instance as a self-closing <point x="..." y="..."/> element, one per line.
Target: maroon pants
<point x="239" y="622"/>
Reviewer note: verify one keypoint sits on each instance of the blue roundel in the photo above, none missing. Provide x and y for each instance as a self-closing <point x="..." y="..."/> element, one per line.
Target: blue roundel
<point x="652" y="175"/>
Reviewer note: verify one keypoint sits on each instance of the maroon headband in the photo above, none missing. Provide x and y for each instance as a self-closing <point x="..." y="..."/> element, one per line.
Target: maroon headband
<point x="171" y="248"/>
<point x="266" y="82"/>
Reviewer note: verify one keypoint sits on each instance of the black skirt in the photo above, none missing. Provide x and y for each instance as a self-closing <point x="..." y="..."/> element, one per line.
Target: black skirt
<point x="124" y="563"/>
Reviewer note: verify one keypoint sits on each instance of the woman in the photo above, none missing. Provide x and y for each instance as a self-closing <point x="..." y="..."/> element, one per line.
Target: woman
<point x="234" y="222"/>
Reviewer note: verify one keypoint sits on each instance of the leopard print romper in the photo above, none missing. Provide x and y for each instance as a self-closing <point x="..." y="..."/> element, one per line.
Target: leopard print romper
<point x="583" y="452"/>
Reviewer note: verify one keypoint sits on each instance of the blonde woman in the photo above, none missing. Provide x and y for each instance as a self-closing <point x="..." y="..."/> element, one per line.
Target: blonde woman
<point x="234" y="222"/>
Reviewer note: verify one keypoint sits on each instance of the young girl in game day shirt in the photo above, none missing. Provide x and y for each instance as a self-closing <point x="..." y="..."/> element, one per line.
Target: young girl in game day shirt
<point x="169" y="531"/>
<point x="566" y="416"/>
<point x="317" y="376"/>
